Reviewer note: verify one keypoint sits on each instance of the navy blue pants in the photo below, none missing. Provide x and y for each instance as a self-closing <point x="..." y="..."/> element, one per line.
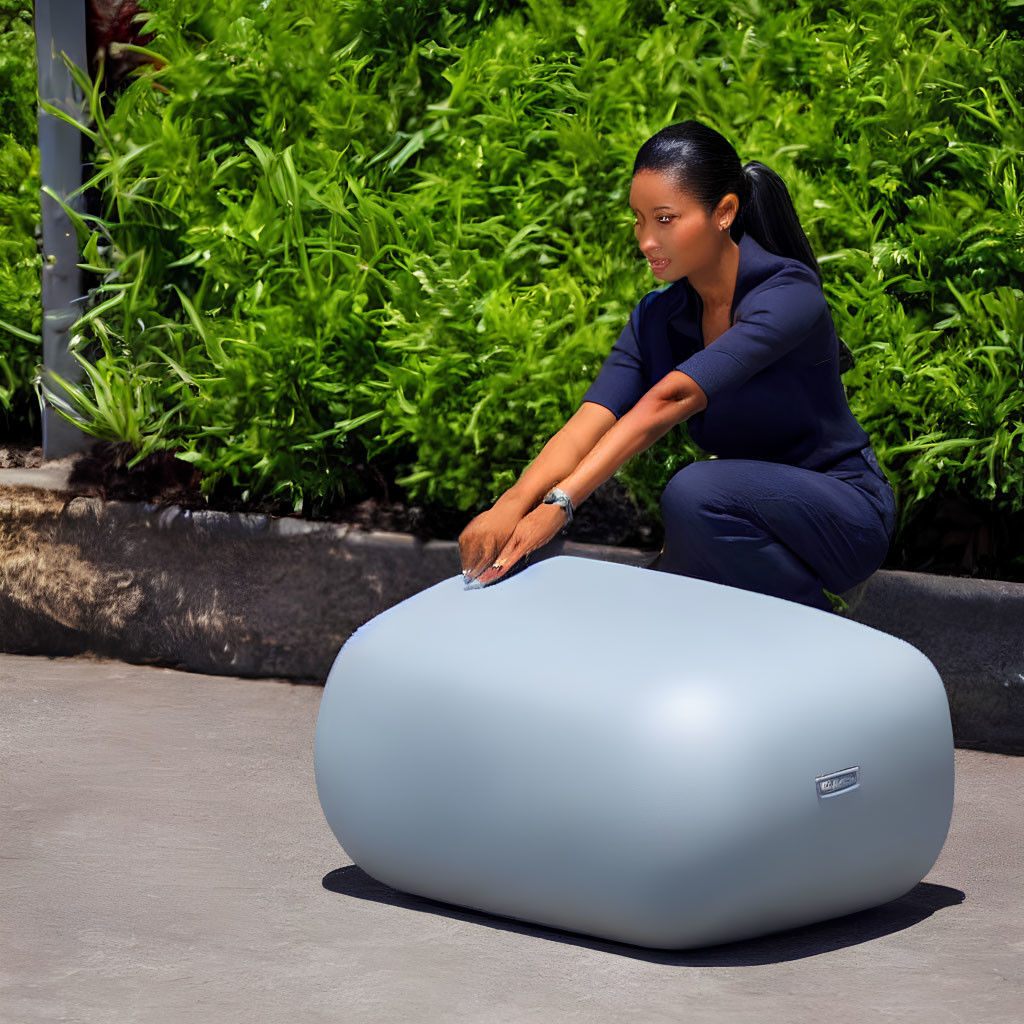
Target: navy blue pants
<point x="778" y="529"/>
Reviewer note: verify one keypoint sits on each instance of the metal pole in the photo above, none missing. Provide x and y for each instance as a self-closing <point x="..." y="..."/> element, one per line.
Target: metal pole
<point x="60" y="25"/>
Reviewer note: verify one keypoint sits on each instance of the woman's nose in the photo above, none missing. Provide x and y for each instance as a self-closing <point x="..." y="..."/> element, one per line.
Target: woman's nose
<point x="647" y="242"/>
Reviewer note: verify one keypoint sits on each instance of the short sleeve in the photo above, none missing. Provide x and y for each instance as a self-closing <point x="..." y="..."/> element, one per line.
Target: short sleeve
<point x="771" y="320"/>
<point x="621" y="381"/>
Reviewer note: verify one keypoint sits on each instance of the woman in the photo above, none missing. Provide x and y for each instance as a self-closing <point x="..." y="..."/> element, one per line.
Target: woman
<point x="740" y="345"/>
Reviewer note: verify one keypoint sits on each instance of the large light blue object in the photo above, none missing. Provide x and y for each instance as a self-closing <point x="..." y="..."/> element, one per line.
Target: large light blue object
<point x="635" y="755"/>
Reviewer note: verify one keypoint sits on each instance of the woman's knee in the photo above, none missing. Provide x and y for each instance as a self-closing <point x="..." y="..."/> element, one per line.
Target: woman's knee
<point x="690" y="498"/>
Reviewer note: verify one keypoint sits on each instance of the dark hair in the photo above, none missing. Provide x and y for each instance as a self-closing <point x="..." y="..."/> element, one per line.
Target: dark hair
<point x="704" y="165"/>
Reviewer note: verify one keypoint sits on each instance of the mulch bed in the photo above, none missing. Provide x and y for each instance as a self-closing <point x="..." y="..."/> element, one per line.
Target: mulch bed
<point x="20" y="456"/>
<point x="950" y="535"/>
<point x="609" y="516"/>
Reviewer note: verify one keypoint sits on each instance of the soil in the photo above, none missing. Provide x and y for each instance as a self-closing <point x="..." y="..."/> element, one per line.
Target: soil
<point x="20" y="456"/>
<point x="609" y="516"/>
<point x="950" y="535"/>
<point x="956" y="536"/>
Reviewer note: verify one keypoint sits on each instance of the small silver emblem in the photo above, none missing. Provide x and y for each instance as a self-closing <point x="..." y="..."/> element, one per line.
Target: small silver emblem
<point x="838" y="782"/>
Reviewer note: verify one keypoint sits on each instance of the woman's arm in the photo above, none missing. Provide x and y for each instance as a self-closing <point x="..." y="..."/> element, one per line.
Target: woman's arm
<point x="558" y="458"/>
<point x="488" y="533"/>
<point x="675" y="398"/>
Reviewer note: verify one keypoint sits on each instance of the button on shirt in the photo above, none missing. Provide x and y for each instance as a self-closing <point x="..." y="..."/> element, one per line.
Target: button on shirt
<point x="771" y="380"/>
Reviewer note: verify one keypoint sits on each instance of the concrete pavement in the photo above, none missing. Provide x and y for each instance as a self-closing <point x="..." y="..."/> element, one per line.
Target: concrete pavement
<point x="164" y="860"/>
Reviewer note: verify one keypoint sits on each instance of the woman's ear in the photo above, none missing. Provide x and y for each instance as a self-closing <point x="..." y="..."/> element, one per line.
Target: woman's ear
<point x="726" y="210"/>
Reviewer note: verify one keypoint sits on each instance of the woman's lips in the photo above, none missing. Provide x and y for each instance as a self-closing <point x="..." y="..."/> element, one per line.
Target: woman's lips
<point x="657" y="264"/>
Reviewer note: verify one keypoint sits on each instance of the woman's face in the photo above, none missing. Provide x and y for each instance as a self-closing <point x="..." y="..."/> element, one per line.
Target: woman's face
<point x="675" y="232"/>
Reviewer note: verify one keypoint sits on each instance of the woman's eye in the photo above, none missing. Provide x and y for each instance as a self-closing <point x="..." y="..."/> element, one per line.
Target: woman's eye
<point x="664" y="218"/>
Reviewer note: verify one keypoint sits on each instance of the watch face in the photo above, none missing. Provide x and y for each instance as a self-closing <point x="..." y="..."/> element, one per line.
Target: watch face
<point x="563" y="501"/>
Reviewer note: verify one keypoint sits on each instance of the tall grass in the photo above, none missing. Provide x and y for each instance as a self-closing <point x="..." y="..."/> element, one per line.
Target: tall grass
<point x="20" y="311"/>
<point x="349" y="230"/>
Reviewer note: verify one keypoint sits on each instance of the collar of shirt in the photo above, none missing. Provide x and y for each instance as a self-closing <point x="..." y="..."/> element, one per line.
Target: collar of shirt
<point x="680" y="304"/>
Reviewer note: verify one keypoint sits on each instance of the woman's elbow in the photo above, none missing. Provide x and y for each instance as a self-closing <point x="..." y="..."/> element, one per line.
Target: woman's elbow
<point x="678" y="397"/>
<point x="684" y="392"/>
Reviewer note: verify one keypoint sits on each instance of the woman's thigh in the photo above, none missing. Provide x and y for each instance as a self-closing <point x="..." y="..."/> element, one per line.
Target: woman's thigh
<point x="735" y="508"/>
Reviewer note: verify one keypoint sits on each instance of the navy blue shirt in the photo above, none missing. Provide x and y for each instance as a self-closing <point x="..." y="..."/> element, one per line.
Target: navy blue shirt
<point x="772" y="379"/>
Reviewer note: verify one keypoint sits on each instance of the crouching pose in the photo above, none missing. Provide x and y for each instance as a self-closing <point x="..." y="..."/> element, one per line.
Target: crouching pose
<point x="739" y="344"/>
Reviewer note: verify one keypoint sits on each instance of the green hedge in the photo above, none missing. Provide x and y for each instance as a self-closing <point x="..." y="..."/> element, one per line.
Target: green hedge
<point x="20" y="310"/>
<point x="399" y="230"/>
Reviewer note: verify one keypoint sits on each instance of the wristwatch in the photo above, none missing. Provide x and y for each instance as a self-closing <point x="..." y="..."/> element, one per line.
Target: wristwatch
<point x="556" y="496"/>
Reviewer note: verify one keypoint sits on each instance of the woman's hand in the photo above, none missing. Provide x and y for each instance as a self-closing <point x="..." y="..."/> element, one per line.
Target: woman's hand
<point x="483" y="538"/>
<point x="533" y="531"/>
<point x="486" y="535"/>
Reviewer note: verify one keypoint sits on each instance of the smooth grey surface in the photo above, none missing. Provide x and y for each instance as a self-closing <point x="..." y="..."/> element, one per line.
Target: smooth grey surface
<point x="60" y="27"/>
<point x="641" y="764"/>
<point x="255" y="595"/>
<point x="165" y="861"/>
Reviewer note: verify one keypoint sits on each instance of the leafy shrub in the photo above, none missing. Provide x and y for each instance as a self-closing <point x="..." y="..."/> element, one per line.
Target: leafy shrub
<point x="355" y="229"/>
<point x="20" y="311"/>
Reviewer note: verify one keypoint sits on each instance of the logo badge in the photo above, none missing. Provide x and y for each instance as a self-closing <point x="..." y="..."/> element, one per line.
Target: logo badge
<point x="838" y="782"/>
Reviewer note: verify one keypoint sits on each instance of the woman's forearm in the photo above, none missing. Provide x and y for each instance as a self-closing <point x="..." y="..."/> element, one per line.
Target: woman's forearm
<point x="672" y="400"/>
<point x="558" y="458"/>
<point x="579" y="458"/>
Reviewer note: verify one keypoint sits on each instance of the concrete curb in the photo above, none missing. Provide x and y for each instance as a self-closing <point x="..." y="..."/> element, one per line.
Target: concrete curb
<point x="214" y="592"/>
<point x="252" y="595"/>
<point x="973" y="631"/>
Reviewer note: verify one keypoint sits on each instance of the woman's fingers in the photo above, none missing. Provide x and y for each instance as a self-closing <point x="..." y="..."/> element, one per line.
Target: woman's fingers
<point x="509" y="556"/>
<point x="471" y="552"/>
<point x="481" y="557"/>
<point x="479" y="565"/>
<point x="533" y="532"/>
<point x="477" y="546"/>
<point x="481" y="541"/>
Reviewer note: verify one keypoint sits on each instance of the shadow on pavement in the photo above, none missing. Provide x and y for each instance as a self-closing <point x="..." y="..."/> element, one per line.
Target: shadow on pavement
<point x="921" y="902"/>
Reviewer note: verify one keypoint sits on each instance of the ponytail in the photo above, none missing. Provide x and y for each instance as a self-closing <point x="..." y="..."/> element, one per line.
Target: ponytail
<point x="768" y="214"/>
